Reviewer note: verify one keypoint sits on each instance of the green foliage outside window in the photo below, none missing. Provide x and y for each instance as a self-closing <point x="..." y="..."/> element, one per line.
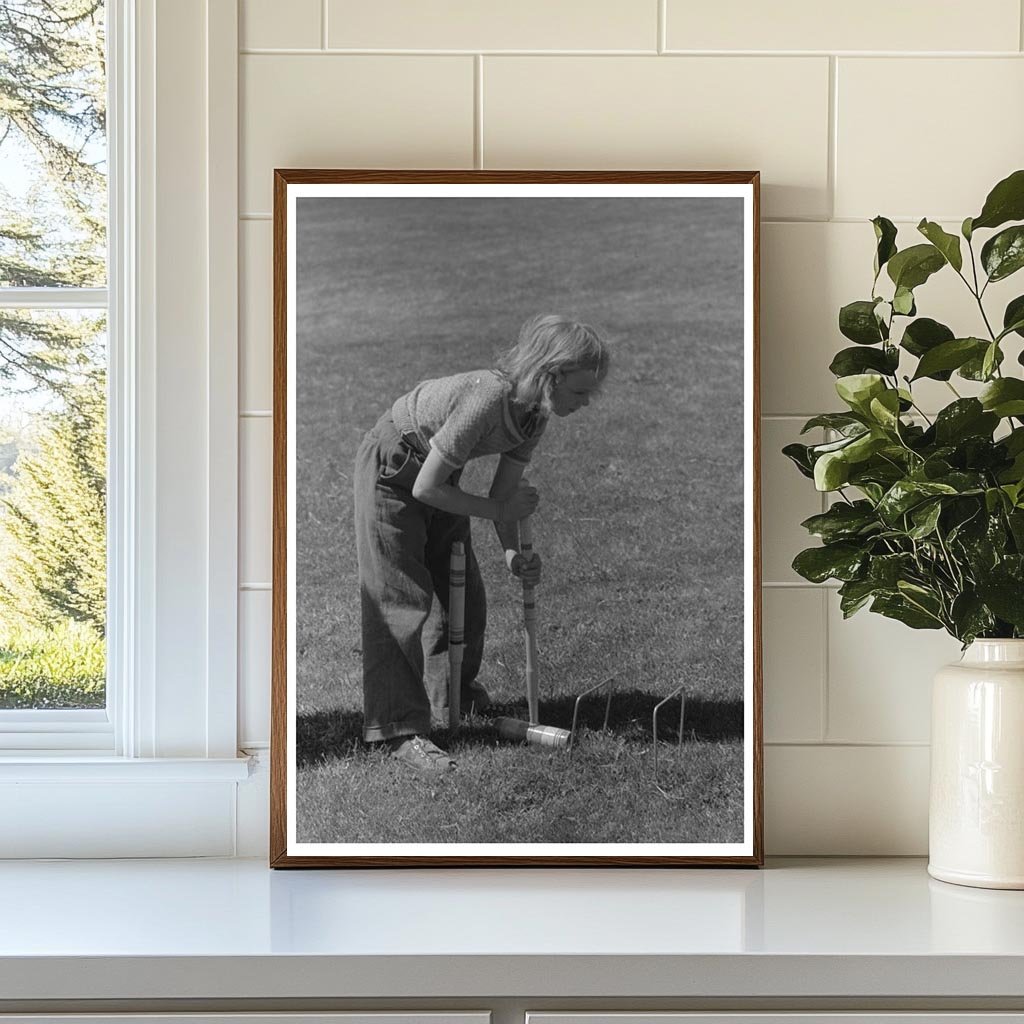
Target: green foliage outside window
<point x="52" y="365"/>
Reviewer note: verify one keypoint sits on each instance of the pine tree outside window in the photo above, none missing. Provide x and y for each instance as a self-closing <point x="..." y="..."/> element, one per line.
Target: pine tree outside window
<point x="53" y="362"/>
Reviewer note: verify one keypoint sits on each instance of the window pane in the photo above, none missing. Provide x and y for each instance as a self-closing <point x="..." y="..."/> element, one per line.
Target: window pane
<point x="53" y="151"/>
<point x="52" y="509"/>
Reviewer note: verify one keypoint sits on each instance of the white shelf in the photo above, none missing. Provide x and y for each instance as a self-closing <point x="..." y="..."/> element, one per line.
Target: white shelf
<point x="233" y="929"/>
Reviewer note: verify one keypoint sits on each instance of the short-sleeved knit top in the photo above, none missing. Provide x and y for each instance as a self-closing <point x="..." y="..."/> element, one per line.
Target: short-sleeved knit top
<point x="469" y="415"/>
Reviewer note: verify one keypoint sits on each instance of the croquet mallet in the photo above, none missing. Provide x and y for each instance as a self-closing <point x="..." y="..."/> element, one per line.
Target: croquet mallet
<point x="530" y="622"/>
<point x="514" y="728"/>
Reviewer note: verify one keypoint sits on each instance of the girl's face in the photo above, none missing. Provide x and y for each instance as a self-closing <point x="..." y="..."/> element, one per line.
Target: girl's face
<point x="571" y="391"/>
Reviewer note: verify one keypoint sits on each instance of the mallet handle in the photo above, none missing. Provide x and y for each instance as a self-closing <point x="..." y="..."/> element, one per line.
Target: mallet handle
<point x="456" y="630"/>
<point x="530" y="623"/>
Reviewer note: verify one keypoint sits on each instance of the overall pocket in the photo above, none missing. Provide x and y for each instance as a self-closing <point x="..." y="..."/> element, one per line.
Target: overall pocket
<point x="399" y="465"/>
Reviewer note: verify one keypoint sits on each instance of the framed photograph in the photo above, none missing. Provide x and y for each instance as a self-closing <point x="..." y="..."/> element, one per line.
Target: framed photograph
<point x="516" y="586"/>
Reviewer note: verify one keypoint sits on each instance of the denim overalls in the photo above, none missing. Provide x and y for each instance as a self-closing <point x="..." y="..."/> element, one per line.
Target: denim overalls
<point x="403" y="547"/>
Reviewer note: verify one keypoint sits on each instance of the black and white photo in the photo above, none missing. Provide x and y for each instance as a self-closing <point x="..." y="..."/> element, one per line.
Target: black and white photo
<point x="516" y="566"/>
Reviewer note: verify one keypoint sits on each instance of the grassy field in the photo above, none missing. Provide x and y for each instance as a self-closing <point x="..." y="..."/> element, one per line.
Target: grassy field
<point x="62" y="667"/>
<point x="640" y="523"/>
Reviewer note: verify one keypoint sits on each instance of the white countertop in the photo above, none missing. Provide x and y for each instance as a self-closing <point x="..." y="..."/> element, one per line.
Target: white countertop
<point x="234" y="929"/>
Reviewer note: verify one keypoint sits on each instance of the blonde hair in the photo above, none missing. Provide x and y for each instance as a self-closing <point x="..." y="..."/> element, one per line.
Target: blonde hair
<point x="550" y="344"/>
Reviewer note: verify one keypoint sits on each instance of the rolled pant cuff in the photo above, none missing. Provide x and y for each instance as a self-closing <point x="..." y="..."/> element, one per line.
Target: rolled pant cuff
<point x="377" y="733"/>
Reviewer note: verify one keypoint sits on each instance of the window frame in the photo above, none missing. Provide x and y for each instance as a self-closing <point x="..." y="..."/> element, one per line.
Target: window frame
<point x="172" y="370"/>
<point x="60" y="730"/>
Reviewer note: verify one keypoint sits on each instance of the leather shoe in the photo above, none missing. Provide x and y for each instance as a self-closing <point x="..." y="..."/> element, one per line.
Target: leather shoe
<point x="420" y="754"/>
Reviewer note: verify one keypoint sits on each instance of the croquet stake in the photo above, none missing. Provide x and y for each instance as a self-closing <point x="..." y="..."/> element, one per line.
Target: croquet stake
<point x="456" y="630"/>
<point x="530" y="624"/>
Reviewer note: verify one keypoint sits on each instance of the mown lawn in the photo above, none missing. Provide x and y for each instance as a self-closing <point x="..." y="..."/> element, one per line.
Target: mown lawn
<point x="640" y="523"/>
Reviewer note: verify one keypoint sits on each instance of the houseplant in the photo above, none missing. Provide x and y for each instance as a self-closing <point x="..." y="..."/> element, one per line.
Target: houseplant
<point x="927" y="521"/>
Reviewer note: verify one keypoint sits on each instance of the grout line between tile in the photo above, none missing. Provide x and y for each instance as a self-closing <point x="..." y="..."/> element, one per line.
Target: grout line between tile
<point x="824" y="723"/>
<point x="846" y="744"/>
<point x="1020" y="22"/>
<point x="255" y="414"/>
<point x="833" y="134"/>
<point x="339" y="51"/>
<point x="254" y="586"/>
<point x="323" y="24"/>
<point x="662" y="26"/>
<point x="826" y="692"/>
<point x="257" y="51"/>
<point x="799" y="585"/>
<point x="478" y="111"/>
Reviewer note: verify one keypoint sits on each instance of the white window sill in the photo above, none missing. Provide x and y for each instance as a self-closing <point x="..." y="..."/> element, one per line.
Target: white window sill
<point x="196" y="931"/>
<point x="80" y="767"/>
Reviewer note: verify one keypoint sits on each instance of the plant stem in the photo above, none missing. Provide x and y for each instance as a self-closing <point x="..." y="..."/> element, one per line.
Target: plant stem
<point x="974" y="270"/>
<point x="954" y="568"/>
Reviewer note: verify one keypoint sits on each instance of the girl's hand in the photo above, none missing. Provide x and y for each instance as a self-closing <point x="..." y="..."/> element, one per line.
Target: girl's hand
<point x="526" y="568"/>
<point x="521" y="503"/>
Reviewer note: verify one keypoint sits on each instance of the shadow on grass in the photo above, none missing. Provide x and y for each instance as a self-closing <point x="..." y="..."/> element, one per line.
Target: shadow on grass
<point x="329" y="735"/>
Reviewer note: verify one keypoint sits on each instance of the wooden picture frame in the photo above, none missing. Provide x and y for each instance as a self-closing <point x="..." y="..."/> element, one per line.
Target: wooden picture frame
<point x="649" y="523"/>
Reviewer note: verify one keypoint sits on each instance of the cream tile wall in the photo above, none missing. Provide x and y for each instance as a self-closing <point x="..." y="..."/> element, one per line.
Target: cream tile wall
<point x="909" y="110"/>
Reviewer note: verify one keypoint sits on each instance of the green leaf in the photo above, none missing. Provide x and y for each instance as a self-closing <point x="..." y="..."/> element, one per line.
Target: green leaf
<point x="842" y="521"/>
<point x="858" y="389"/>
<point x="1003" y="254"/>
<point x="964" y="482"/>
<point x="905" y="494"/>
<point x="817" y="450"/>
<point x="864" y="446"/>
<point x="1006" y="599"/>
<point x="842" y="561"/>
<point x="885" y="409"/>
<point x="970" y="617"/>
<point x="950" y="355"/>
<point x="1015" y="519"/>
<point x="899" y="608"/>
<point x="885" y="236"/>
<point x="964" y="418"/>
<point x="981" y="538"/>
<point x="887" y="570"/>
<point x="841" y="421"/>
<point x="857" y="321"/>
<point x="903" y="302"/>
<point x="947" y="244"/>
<point x="912" y="267"/>
<point x="854" y="595"/>
<point x="1013" y="317"/>
<point x="1005" y="202"/>
<point x="991" y="360"/>
<point x="849" y="361"/>
<point x="799" y="454"/>
<point x="974" y="368"/>
<point x="1004" y="397"/>
<point x="923" y="335"/>
<point x="872" y="491"/>
<point x="1014" y="441"/>
<point x="966" y="229"/>
<point x="1014" y="493"/>
<point x="994" y="499"/>
<point x="925" y="518"/>
<point x="831" y="471"/>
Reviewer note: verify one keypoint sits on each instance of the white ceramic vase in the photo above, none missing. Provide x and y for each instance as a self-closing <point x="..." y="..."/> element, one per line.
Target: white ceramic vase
<point x="976" y="812"/>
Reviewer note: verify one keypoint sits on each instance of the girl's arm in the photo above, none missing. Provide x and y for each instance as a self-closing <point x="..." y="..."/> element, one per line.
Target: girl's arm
<point x="507" y="508"/>
<point x="506" y="483"/>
